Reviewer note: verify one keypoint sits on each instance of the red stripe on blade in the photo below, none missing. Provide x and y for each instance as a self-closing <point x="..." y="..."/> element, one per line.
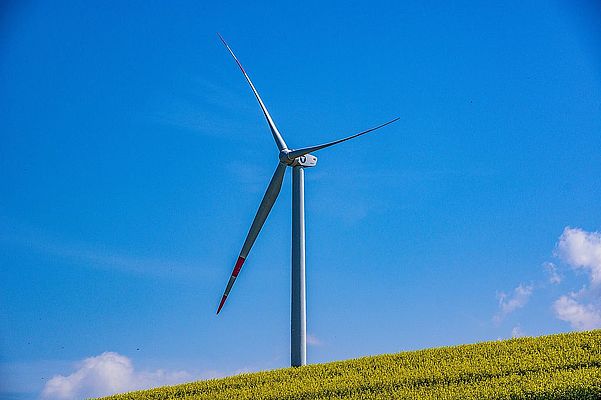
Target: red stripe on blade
<point x="222" y="302"/>
<point x="238" y="267"/>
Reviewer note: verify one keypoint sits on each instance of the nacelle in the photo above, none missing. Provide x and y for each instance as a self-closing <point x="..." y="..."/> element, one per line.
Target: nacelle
<point x="306" y="161"/>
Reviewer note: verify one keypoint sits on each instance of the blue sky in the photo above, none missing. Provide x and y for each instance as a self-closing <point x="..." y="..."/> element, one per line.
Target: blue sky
<point x="134" y="157"/>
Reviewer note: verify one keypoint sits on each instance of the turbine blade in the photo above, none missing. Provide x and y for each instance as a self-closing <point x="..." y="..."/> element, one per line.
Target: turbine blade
<point x="279" y="141"/>
<point x="271" y="194"/>
<point x="301" y="152"/>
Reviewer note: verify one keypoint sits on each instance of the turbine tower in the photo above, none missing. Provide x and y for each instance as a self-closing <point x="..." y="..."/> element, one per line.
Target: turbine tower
<point x="299" y="160"/>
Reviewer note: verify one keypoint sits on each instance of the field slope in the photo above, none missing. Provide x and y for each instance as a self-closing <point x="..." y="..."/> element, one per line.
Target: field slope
<point x="566" y="366"/>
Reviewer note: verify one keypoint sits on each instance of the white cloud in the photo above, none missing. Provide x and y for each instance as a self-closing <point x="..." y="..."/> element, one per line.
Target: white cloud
<point x="106" y="374"/>
<point x="508" y="304"/>
<point x="552" y="273"/>
<point x="313" y="340"/>
<point x="582" y="249"/>
<point x="517" y="332"/>
<point x="580" y="316"/>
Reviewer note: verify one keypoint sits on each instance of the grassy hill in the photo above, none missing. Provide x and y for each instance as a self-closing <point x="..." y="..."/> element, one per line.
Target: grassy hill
<point x="566" y="366"/>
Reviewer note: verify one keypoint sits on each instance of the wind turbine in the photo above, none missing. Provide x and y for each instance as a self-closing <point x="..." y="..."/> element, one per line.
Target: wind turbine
<point x="298" y="160"/>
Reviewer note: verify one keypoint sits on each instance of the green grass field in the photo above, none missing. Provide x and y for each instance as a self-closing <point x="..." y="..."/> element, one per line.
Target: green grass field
<point x="566" y="366"/>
